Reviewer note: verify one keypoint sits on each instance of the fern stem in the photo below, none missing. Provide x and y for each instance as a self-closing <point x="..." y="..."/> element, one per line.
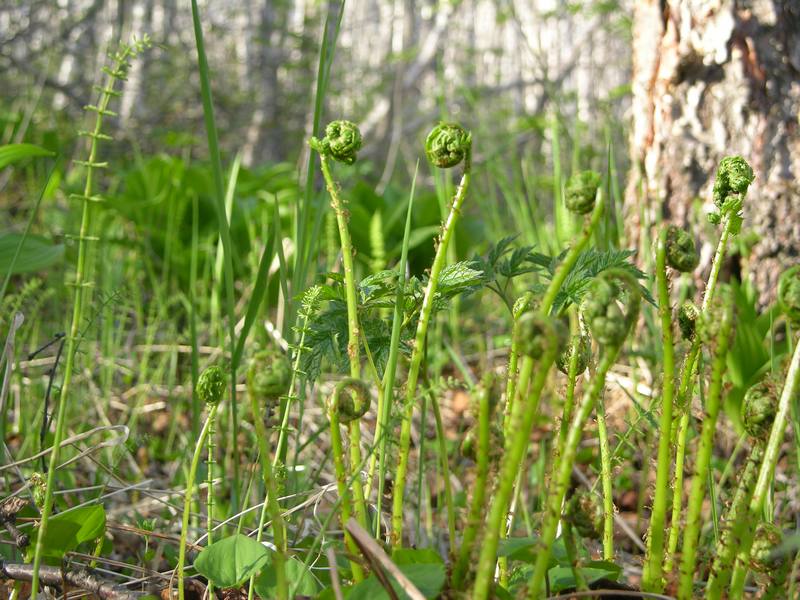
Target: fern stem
<point x="418" y="350"/>
<point x="704" y="451"/>
<point x="652" y="574"/>
<point x="188" y="495"/>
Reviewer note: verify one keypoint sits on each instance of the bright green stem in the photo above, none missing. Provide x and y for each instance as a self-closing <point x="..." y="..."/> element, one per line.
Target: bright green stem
<point x="385" y="407"/>
<point x="720" y="575"/>
<point x="745" y="529"/>
<point x="569" y="399"/>
<point x="210" y="488"/>
<point x="353" y="342"/>
<point x="605" y="478"/>
<point x="704" y="451"/>
<point x="513" y="458"/>
<point x="188" y="496"/>
<point x="82" y="281"/>
<point x="418" y="350"/>
<point x="346" y="505"/>
<point x="274" y="509"/>
<point x="685" y="397"/>
<point x="475" y="517"/>
<point x="560" y="484"/>
<point x="652" y="575"/>
<point x="445" y="466"/>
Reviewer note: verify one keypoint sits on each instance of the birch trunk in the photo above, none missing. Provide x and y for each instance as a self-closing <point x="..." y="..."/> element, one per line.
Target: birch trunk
<point x="713" y="78"/>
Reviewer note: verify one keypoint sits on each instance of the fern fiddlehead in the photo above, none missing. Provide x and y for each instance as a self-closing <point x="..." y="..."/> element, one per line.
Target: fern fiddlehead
<point x="445" y="143"/>
<point x="349" y="402"/>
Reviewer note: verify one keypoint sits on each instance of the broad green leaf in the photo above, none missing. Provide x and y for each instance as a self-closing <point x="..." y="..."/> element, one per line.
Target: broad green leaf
<point x="428" y="578"/>
<point x="67" y="531"/>
<point x="561" y="578"/>
<point x="416" y="556"/>
<point x="37" y="253"/>
<point x="231" y="561"/>
<point x="296" y="574"/>
<point x="12" y="153"/>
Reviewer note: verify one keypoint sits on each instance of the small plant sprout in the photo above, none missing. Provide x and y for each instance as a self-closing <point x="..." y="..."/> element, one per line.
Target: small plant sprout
<point x="210" y="390"/>
<point x="268" y="377"/>
<point x="581" y="192"/>
<point x="609" y="324"/>
<point x="687" y="319"/>
<point x="349" y="402"/>
<point x="716" y="328"/>
<point x="117" y="72"/>
<point x="541" y="339"/>
<point x="447" y="145"/>
<point x="675" y="248"/>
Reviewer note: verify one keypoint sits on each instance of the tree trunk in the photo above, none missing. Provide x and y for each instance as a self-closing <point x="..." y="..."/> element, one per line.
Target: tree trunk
<point x="710" y="79"/>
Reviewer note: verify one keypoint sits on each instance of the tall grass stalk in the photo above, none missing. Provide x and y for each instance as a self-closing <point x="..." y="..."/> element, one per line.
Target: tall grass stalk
<point x="224" y="234"/>
<point x="390" y="373"/>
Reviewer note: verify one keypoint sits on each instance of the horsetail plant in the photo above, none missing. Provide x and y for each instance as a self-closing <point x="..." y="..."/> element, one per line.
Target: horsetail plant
<point x="349" y="402"/>
<point x="759" y="408"/>
<point x="716" y="328"/>
<point x="609" y="326"/>
<point x="541" y="339"/>
<point x="268" y="376"/>
<point x="210" y="390"/>
<point x="734" y="177"/>
<point x="117" y="72"/>
<point x="674" y="248"/>
<point x="446" y="146"/>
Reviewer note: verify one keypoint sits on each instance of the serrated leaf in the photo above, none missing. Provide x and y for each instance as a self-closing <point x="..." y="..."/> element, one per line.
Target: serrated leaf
<point x="232" y="560"/>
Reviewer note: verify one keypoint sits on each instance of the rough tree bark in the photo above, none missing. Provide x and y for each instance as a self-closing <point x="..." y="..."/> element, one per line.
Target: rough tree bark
<point x="712" y="78"/>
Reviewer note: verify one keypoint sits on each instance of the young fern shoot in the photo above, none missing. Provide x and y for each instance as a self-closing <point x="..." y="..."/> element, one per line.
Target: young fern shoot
<point x="342" y="142"/>
<point x="117" y="72"/>
<point x="210" y="389"/>
<point x="734" y="177"/>
<point x="268" y="377"/>
<point x="541" y="338"/>
<point x="759" y="407"/>
<point x="609" y="326"/>
<point x="349" y="402"/>
<point x="447" y="145"/>
<point x="716" y="328"/>
<point x="674" y="248"/>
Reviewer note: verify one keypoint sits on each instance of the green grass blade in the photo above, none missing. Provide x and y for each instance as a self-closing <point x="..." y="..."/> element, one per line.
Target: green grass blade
<point x="224" y="227"/>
